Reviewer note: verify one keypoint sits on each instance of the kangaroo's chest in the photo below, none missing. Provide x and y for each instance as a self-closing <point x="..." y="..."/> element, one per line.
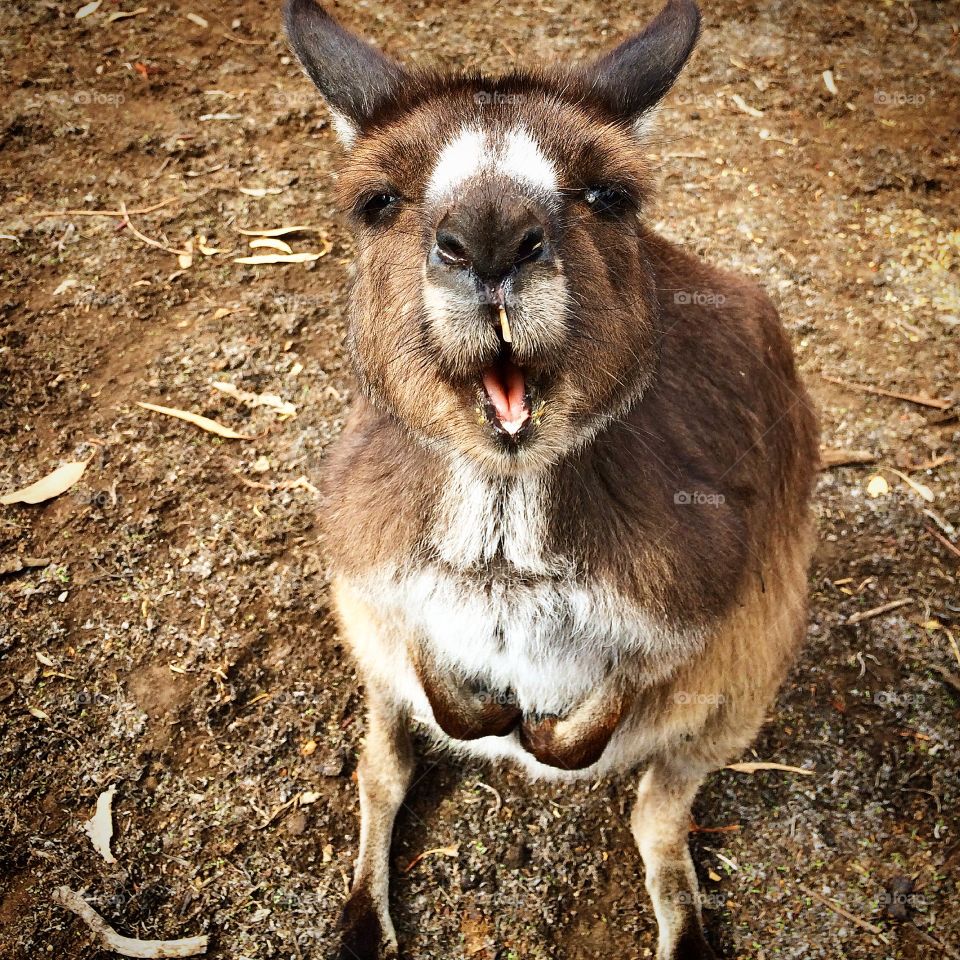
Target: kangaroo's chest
<point x="495" y="606"/>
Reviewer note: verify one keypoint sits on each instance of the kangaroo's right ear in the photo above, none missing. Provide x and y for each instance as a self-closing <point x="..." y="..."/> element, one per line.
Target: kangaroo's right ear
<point x="354" y="77"/>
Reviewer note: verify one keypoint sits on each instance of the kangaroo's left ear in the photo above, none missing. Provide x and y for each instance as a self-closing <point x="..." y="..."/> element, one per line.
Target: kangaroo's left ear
<point x="354" y="77"/>
<point x="632" y="78"/>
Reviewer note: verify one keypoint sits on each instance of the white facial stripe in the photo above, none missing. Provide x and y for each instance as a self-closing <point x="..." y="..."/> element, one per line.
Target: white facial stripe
<point x="472" y="152"/>
<point x="523" y="160"/>
<point x="460" y="160"/>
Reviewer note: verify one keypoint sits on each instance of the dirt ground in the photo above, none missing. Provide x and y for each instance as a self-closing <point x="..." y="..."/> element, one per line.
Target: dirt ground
<point x="174" y="639"/>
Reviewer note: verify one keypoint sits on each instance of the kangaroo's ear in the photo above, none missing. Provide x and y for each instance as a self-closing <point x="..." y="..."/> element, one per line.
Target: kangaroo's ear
<point x="354" y="77"/>
<point x="632" y="78"/>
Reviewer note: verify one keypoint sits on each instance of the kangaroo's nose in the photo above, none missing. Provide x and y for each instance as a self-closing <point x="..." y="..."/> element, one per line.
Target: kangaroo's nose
<point x="491" y="246"/>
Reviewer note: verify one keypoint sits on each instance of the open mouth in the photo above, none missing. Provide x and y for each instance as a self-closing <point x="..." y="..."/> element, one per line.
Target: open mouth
<point x="507" y="403"/>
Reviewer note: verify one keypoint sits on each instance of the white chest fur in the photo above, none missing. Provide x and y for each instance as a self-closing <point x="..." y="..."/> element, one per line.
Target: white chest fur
<point x="496" y="607"/>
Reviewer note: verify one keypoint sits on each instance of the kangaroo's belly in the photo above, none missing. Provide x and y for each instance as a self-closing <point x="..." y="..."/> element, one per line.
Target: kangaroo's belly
<point x="543" y="645"/>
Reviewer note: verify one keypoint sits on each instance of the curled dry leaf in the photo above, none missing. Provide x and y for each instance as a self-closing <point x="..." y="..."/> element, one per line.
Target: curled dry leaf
<point x="204" y="423"/>
<point x="279" y="258"/>
<point x="107" y="937"/>
<point x="52" y="485"/>
<point x="742" y="104"/>
<point x="271" y="244"/>
<point x="830" y="83"/>
<point x="205" y="248"/>
<point x="451" y="851"/>
<point x="99" y="828"/>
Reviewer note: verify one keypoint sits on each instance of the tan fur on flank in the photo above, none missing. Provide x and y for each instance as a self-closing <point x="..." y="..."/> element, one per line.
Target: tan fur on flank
<point x="576" y="539"/>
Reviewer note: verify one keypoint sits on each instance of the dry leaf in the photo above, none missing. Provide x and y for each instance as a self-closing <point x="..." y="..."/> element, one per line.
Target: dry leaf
<point x="185" y="259"/>
<point x="308" y="797"/>
<point x="280" y="258"/>
<point x="754" y="767"/>
<point x="830" y="83"/>
<point x="283" y="409"/>
<point x="124" y="15"/>
<point x="877" y="486"/>
<point x="280" y="231"/>
<point x="450" y="851"/>
<point x="260" y="192"/>
<point x="745" y="107"/>
<point x="44" y="659"/>
<point x="87" y="9"/>
<point x="921" y="489"/>
<point x="198" y="20"/>
<point x="52" y="485"/>
<point x="38" y="713"/>
<point x="99" y="828"/>
<point x="205" y="248"/>
<point x="271" y="244"/>
<point x="204" y="423"/>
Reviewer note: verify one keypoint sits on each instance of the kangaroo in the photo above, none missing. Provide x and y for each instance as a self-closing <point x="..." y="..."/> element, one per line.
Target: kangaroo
<point x="568" y="516"/>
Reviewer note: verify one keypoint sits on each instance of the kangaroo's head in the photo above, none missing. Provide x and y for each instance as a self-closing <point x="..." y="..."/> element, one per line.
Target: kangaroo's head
<point x="503" y="306"/>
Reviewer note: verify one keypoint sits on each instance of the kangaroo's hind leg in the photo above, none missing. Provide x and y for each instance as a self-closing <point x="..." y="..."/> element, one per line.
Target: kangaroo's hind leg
<point x="660" y="823"/>
<point x="384" y="773"/>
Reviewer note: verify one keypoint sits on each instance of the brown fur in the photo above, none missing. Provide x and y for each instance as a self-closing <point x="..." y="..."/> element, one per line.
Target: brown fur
<point x="668" y="427"/>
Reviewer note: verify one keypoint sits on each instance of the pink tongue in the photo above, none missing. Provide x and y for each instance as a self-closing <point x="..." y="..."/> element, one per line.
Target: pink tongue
<point x="506" y="389"/>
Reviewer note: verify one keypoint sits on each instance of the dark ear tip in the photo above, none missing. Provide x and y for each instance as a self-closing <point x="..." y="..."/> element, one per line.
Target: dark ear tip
<point x="299" y="13"/>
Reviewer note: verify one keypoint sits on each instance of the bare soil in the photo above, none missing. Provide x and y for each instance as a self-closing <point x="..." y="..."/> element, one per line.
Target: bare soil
<point x="178" y="642"/>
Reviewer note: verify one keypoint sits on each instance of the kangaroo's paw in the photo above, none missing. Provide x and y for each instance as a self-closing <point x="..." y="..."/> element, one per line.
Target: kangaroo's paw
<point x="363" y="935"/>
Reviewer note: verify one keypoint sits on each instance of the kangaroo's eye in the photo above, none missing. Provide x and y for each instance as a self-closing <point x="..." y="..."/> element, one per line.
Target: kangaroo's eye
<point x="606" y="200"/>
<point x="375" y="206"/>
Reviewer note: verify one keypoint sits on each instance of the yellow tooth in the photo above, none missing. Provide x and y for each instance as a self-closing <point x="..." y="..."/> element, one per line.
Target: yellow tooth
<point x="505" y="326"/>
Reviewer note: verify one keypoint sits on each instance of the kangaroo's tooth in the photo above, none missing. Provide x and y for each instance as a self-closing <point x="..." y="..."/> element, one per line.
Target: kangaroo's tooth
<point x="505" y="326"/>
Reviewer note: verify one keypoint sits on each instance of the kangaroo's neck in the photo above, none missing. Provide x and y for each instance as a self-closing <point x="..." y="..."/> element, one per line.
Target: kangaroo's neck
<point x="481" y="519"/>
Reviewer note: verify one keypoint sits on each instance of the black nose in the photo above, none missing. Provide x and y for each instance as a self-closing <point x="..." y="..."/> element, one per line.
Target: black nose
<point x="490" y="245"/>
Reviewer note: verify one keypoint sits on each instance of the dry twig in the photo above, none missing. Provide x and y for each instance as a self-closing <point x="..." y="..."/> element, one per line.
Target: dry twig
<point x="919" y="399"/>
<point x="836" y="908"/>
<point x="126" y="946"/>
<point x="877" y="611"/>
